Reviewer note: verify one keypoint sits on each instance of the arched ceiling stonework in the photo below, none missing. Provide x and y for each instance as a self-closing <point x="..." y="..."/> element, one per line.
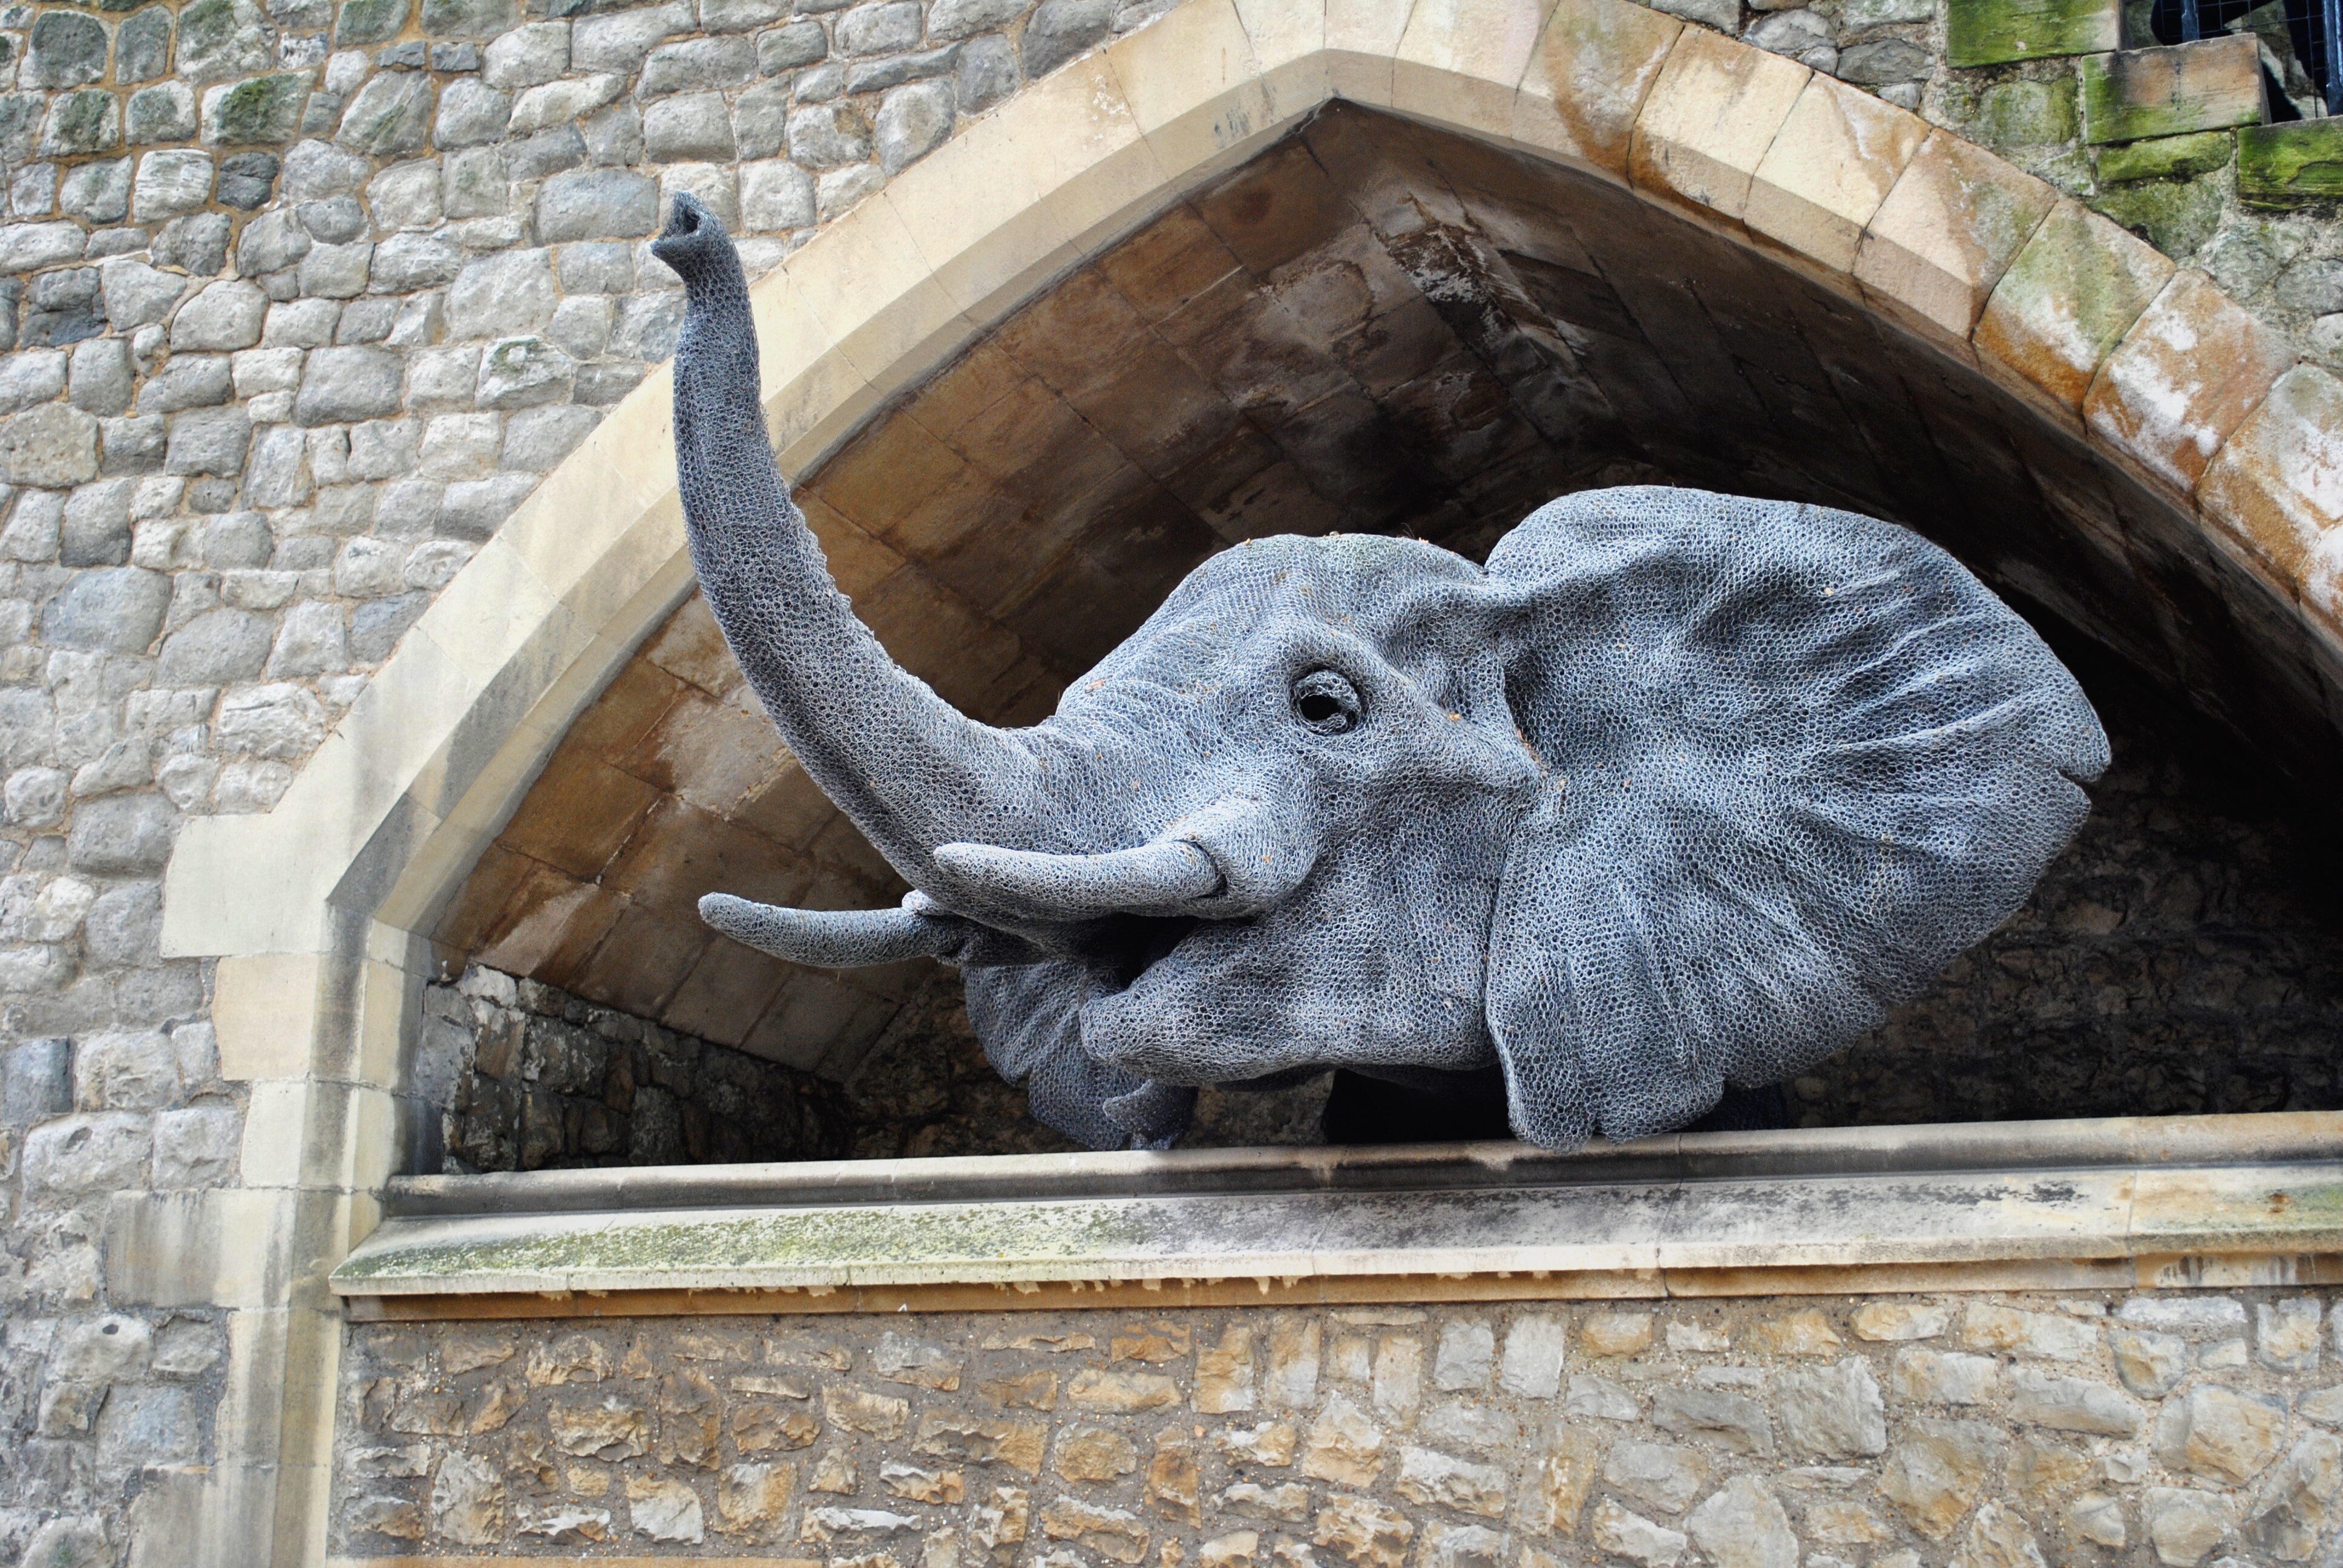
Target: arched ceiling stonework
<point x="1373" y="326"/>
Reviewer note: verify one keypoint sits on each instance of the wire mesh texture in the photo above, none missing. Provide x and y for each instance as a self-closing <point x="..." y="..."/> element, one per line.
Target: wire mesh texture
<point x="1679" y="790"/>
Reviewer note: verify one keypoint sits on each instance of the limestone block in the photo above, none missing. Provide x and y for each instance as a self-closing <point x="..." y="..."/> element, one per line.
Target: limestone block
<point x="1565" y="1474"/>
<point x="1430" y="1477"/>
<point x="1831" y="1412"/>
<point x="73" y="1156"/>
<point x="1094" y="1454"/>
<point x="1657" y="1475"/>
<point x="2071" y="294"/>
<point x="1362" y="1532"/>
<point x="1532" y="1363"/>
<point x="1989" y="32"/>
<point x="1464" y="1356"/>
<point x="1466" y="58"/>
<point x="2071" y="1404"/>
<point x="1628" y="1534"/>
<point x="2286" y="1333"/>
<point x="2150" y="1365"/>
<point x="2142" y="93"/>
<point x="1833" y="161"/>
<point x="1610" y="1334"/>
<point x="1343" y="1446"/>
<point x="1114" y="1534"/>
<point x="1743" y="1527"/>
<point x="53" y="445"/>
<point x="1224" y="1372"/>
<point x="2183" y="379"/>
<point x="2278" y="484"/>
<point x="2185" y="1524"/>
<point x="1734" y="1419"/>
<point x="1801" y="1334"/>
<point x="2284" y="165"/>
<point x="1937" y="1470"/>
<point x="1942" y="239"/>
<point x="2221" y="1433"/>
<point x="1709" y="122"/>
<point x="1601" y="1399"/>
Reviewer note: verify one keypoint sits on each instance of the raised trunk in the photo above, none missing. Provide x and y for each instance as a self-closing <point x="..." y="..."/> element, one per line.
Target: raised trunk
<point x="910" y="770"/>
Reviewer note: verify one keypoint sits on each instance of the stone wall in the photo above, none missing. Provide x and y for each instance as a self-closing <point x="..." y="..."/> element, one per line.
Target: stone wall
<point x="1893" y="1431"/>
<point x="534" y="1078"/>
<point x="297" y="302"/>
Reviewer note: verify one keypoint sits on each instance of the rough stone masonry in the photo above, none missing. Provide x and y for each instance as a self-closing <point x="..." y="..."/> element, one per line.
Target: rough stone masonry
<point x="296" y="302"/>
<point x="1980" y="1432"/>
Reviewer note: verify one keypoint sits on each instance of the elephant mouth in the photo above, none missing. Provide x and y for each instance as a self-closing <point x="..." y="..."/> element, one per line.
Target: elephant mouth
<point x="1142" y="942"/>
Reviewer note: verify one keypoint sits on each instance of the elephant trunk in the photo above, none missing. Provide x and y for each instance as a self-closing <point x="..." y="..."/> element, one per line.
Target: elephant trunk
<point x="910" y="770"/>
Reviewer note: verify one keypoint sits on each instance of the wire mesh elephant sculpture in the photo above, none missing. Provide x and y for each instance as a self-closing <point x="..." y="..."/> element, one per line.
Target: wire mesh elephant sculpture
<point x="1681" y="790"/>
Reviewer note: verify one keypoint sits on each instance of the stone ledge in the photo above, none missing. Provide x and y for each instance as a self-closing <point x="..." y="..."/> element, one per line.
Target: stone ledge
<point x="2213" y="1200"/>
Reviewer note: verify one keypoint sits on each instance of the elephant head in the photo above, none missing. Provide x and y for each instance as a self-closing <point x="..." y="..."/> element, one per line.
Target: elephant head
<point x="1679" y="790"/>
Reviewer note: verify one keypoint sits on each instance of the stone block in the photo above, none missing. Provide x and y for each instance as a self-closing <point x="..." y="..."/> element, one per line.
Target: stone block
<point x="2284" y="166"/>
<point x="65" y="50"/>
<point x="259" y="110"/>
<point x="1991" y="32"/>
<point x="2277" y="483"/>
<point x="1060" y="30"/>
<point x="1833" y="161"/>
<point x="2184" y="1524"/>
<point x="1614" y="1333"/>
<point x="1831" y="1412"/>
<point x="53" y="445"/>
<point x="1587" y="78"/>
<point x="1937" y="1472"/>
<point x="75" y="1156"/>
<point x="1625" y="1533"/>
<point x="2149" y="1364"/>
<point x="1945" y="233"/>
<point x="2071" y="1404"/>
<point x="2071" y="294"/>
<point x="2183" y="379"/>
<point x="1655" y="1474"/>
<point x="37" y="1080"/>
<point x="1708" y="122"/>
<point x="2286" y="1333"/>
<point x="227" y="315"/>
<point x="389" y="115"/>
<point x="2210" y="84"/>
<point x="2220" y="1434"/>
<point x="2166" y="157"/>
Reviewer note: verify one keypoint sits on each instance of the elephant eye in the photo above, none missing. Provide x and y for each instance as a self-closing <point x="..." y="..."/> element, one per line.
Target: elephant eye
<point x="1327" y="703"/>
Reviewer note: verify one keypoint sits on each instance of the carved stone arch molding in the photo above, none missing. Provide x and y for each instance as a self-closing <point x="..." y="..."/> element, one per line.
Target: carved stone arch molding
<point x="2205" y="452"/>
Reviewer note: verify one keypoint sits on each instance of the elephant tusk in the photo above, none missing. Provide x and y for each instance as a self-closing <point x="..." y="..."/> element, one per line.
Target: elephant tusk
<point x="833" y="939"/>
<point x="1159" y="878"/>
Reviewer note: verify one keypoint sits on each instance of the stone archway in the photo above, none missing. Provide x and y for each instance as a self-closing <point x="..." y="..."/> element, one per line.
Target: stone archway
<point x="2079" y="352"/>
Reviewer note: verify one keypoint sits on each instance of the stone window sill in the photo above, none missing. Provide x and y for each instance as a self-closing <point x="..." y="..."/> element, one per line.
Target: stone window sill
<point x="2121" y="1203"/>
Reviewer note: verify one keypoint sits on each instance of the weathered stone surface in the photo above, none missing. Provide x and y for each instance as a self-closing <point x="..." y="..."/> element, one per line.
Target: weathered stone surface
<point x="54" y="445"/>
<point x="2184" y="1524"/>
<point x="1362" y="1532"/>
<point x="1743" y="1527"/>
<point x="1988" y="32"/>
<point x="2220" y="1432"/>
<point x="1831" y="1412"/>
<point x="2071" y="294"/>
<point x="389" y="115"/>
<point x="1655" y="1474"/>
<point x="1734" y="1419"/>
<point x="2276" y="484"/>
<point x="1609" y="1334"/>
<point x="2142" y="93"/>
<point x="2286" y="165"/>
<point x="1937" y="1470"/>
<point x="1430" y="1477"/>
<point x="1622" y="1533"/>
<point x="2180" y="383"/>
<point x="1946" y="232"/>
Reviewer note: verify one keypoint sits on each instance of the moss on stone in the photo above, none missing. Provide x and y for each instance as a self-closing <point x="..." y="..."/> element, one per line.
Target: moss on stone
<point x="2175" y="217"/>
<point x="261" y="109"/>
<point x="1989" y="32"/>
<point x="370" y="21"/>
<point x="2284" y="165"/>
<point x="839" y="1241"/>
<point x="2027" y="113"/>
<point x="2166" y="157"/>
<point x="2168" y="92"/>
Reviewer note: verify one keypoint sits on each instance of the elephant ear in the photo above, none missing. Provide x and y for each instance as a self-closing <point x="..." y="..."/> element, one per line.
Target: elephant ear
<point x="1798" y="759"/>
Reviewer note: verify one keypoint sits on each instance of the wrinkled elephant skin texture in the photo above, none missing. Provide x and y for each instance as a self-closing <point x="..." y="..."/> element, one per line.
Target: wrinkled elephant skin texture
<point x="1679" y="790"/>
